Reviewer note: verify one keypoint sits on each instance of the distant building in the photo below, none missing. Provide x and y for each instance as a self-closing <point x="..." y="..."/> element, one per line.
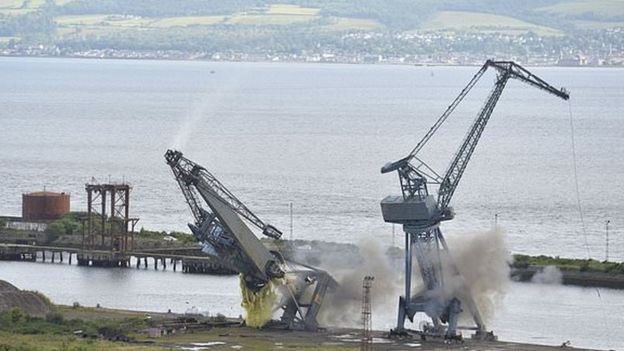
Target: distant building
<point x="577" y="60"/>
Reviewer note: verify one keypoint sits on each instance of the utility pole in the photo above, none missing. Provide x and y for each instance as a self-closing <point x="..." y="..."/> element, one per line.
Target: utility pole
<point x="607" y="240"/>
<point x="367" y="339"/>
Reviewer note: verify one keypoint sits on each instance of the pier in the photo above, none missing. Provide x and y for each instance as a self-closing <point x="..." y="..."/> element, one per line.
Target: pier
<point x="185" y="259"/>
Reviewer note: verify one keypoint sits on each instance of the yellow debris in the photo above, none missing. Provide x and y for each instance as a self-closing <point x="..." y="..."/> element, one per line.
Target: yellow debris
<point x="258" y="305"/>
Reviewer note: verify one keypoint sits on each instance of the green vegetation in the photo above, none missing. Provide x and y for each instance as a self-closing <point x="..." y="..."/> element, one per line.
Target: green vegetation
<point x="484" y="22"/>
<point x="181" y="238"/>
<point x="588" y="9"/>
<point x="568" y="264"/>
<point x="69" y="224"/>
<point x="18" y="331"/>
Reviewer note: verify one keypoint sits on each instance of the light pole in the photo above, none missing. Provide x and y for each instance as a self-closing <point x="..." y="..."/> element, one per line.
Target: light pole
<point x="496" y="221"/>
<point x="607" y="240"/>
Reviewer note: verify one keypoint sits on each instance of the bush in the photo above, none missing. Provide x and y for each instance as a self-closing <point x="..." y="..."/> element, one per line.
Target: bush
<point x="67" y="225"/>
<point x="54" y="317"/>
<point x="219" y="318"/>
<point x="16" y="314"/>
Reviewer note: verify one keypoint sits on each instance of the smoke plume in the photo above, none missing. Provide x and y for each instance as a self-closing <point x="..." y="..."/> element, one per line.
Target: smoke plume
<point x="343" y="306"/>
<point x="482" y="259"/>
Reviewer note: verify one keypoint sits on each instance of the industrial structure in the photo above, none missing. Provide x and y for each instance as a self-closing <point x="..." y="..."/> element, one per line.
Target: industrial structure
<point x="44" y="206"/>
<point x="421" y="213"/>
<point x="108" y="225"/>
<point x="220" y="228"/>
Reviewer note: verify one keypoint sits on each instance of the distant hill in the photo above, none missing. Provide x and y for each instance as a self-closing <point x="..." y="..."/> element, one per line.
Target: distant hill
<point x="287" y="26"/>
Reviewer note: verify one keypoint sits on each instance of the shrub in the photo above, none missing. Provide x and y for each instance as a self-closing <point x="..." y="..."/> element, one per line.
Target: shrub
<point x="16" y="314"/>
<point x="54" y="317"/>
<point x="219" y="318"/>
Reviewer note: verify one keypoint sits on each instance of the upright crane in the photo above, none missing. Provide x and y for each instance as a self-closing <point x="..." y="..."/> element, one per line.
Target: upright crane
<point x="420" y="213"/>
<point x="220" y="229"/>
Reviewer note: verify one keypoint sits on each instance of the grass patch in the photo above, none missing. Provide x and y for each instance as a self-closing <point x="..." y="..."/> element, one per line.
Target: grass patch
<point x="11" y="4"/>
<point x="81" y="20"/>
<point x="483" y="22"/>
<point x="601" y="8"/>
<point x="6" y="40"/>
<point x="19" y="331"/>
<point x="182" y="238"/>
<point x="286" y="9"/>
<point x="347" y="23"/>
<point x="268" y="19"/>
<point x="187" y="21"/>
<point x="17" y="342"/>
<point x="15" y="12"/>
<point x="568" y="264"/>
<point x="597" y="25"/>
<point x="102" y="22"/>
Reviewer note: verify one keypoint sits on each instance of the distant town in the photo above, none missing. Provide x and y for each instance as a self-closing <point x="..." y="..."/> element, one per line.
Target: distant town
<point x="433" y="48"/>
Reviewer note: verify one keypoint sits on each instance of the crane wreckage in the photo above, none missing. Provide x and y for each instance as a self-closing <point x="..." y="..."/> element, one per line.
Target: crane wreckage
<point x="222" y="233"/>
<point x="421" y="213"/>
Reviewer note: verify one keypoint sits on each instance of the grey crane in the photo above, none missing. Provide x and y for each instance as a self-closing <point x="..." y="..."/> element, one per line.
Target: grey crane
<point x="420" y="212"/>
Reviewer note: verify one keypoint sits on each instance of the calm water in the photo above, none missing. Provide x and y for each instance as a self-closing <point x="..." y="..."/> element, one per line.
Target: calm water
<point x="316" y="135"/>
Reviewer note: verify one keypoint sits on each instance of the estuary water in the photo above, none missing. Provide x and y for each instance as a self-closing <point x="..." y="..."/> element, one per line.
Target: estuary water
<point x="316" y="135"/>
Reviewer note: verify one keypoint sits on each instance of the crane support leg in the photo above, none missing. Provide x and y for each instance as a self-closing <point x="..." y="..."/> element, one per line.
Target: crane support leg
<point x="441" y="306"/>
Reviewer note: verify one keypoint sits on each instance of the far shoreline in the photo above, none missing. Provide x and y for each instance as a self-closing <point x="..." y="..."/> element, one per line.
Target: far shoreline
<point x="438" y="64"/>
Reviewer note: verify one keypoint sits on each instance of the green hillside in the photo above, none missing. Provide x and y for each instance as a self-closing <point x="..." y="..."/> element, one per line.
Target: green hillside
<point x="299" y="26"/>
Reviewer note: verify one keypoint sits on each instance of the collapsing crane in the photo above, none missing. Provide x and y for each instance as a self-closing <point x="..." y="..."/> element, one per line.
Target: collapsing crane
<point x="420" y="213"/>
<point x="221" y="231"/>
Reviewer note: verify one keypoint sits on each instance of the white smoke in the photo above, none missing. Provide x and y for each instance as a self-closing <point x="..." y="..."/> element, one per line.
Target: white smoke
<point x="343" y="306"/>
<point x="548" y="275"/>
<point x="482" y="259"/>
<point x="203" y="110"/>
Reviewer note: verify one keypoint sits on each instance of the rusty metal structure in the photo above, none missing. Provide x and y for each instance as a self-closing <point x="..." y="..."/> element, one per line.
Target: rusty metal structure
<point x="44" y="206"/>
<point x="108" y="225"/>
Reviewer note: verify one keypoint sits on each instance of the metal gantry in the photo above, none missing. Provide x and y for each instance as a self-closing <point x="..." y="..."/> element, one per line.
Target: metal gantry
<point x="108" y="222"/>
<point x="420" y="213"/>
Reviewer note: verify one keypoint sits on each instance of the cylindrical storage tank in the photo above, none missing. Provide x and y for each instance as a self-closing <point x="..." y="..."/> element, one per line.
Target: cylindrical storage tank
<point x="44" y="205"/>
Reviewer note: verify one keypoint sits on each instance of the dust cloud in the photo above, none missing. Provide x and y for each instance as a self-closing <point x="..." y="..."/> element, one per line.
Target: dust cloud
<point x="548" y="275"/>
<point x="482" y="259"/>
<point x="343" y="306"/>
